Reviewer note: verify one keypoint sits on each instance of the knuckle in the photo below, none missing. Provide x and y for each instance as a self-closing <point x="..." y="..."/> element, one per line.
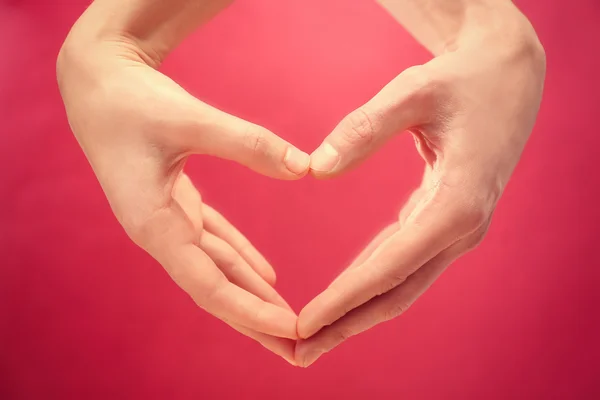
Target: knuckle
<point x="392" y="281"/>
<point x="421" y="81"/>
<point x="256" y="140"/>
<point x="245" y="250"/>
<point x="419" y="76"/>
<point x="426" y="90"/>
<point x="231" y="260"/>
<point x="358" y="127"/>
<point x="343" y="333"/>
<point x="395" y="310"/>
<point x="210" y="297"/>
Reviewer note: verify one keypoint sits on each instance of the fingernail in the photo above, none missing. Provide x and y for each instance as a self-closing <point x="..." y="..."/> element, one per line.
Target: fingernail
<point x="296" y="161"/>
<point x="325" y="158"/>
<point x="310" y="358"/>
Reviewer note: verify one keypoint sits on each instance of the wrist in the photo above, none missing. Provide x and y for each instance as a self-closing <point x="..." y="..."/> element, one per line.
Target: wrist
<point x="508" y="41"/>
<point x="145" y="30"/>
<point x="502" y="30"/>
<point x="443" y="26"/>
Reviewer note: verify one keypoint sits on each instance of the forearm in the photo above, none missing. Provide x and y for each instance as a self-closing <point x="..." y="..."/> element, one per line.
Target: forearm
<point x="445" y="25"/>
<point x="153" y="27"/>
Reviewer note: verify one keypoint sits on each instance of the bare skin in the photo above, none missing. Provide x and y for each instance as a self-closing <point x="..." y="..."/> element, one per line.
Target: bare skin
<point x="470" y="109"/>
<point x="137" y="128"/>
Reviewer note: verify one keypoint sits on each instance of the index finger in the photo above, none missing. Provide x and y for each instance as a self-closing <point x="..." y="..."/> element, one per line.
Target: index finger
<point x="434" y="226"/>
<point x="170" y="238"/>
<point x="196" y="273"/>
<point x="217" y="224"/>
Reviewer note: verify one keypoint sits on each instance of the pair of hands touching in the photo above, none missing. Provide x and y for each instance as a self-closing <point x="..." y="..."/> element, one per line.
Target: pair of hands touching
<point x="471" y="110"/>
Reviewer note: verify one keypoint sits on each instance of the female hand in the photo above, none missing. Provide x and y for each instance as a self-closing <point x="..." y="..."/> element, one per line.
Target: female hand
<point x="471" y="111"/>
<point x="137" y="128"/>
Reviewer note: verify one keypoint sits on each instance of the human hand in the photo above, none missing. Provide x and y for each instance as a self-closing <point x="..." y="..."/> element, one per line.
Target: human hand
<point x="471" y="111"/>
<point x="137" y="128"/>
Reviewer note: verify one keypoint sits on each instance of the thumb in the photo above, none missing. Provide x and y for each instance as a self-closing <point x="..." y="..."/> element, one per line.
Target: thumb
<point x="400" y="105"/>
<point x="214" y="132"/>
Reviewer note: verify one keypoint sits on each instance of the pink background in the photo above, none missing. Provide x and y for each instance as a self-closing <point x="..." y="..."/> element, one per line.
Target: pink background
<point x="84" y="314"/>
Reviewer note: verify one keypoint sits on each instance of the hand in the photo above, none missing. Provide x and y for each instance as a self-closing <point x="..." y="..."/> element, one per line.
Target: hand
<point x="137" y="128"/>
<point x="471" y="112"/>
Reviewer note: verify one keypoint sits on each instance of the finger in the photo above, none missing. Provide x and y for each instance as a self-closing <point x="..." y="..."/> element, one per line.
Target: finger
<point x="417" y="195"/>
<point x="216" y="224"/>
<point x="386" y="233"/>
<point x="401" y="105"/>
<point x="377" y="240"/>
<point x="169" y="237"/>
<point x="190" y="200"/>
<point x="367" y="251"/>
<point x="282" y="347"/>
<point x="235" y="304"/>
<point x="160" y="225"/>
<point x="237" y="270"/>
<point x="213" y="132"/>
<point x="429" y="231"/>
<point x="196" y="273"/>
<point x="377" y="310"/>
<point x="410" y="206"/>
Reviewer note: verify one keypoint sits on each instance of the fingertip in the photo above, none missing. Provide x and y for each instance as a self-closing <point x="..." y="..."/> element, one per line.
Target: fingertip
<point x="256" y="260"/>
<point x="296" y="161"/>
<point x="290" y="353"/>
<point x="269" y="276"/>
<point x="291" y="362"/>
<point x="310" y="358"/>
<point x="280" y="301"/>
<point x="289" y="319"/>
<point x="300" y="351"/>
<point x="276" y="298"/>
<point x="324" y="159"/>
<point x="305" y="354"/>
<point x="305" y="326"/>
<point x="259" y="149"/>
<point x="286" y="350"/>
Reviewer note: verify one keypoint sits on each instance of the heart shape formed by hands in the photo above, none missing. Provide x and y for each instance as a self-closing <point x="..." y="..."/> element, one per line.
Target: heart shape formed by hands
<point x="470" y="112"/>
